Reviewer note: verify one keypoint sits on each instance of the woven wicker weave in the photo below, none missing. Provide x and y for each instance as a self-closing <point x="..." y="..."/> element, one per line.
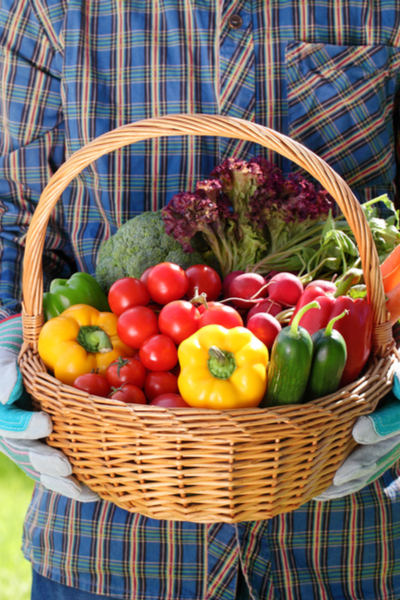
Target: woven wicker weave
<point x="191" y="464"/>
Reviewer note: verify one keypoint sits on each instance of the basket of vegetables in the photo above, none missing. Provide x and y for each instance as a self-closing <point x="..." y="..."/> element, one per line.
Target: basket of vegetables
<point x="260" y="419"/>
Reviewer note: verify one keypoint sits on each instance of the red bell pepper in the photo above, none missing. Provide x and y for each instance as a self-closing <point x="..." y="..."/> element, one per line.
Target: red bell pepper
<point x="355" y="327"/>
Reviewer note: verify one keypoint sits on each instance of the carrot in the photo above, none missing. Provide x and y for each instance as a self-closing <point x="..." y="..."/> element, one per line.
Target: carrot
<point x="392" y="261"/>
<point x="391" y="280"/>
<point x="390" y="269"/>
<point x="393" y="303"/>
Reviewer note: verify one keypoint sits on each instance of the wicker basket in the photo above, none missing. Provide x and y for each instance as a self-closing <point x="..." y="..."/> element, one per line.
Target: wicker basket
<point x="195" y="464"/>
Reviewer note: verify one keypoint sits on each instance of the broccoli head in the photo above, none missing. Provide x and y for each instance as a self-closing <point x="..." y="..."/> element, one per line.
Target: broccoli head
<point x="140" y="243"/>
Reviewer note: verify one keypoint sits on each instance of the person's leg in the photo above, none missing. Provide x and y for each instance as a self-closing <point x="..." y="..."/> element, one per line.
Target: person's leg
<point x="46" y="589"/>
<point x="242" y="589"/>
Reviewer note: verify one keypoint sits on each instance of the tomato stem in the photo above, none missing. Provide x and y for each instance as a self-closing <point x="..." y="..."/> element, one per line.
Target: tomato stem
<point x="199" y="298"/>
<point x="120" y="362"/>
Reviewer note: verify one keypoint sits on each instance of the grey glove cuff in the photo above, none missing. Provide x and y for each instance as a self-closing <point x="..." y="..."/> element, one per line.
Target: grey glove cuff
<point x="49" y="466"/>
<point x="333" y="492"/>
<point x="366" y="460"/>
<point x="43" y="458"/>
<point x="69" y="487"/>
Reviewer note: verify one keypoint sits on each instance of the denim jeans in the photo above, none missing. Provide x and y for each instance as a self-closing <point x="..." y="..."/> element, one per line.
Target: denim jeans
<point x="46" y="589"/>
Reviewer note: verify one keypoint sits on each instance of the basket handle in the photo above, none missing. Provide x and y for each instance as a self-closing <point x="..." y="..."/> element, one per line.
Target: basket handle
<point x="204" y="125"/>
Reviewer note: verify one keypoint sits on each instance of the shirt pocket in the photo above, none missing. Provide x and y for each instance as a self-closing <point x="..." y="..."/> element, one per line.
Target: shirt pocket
<point x="340" y="101"/>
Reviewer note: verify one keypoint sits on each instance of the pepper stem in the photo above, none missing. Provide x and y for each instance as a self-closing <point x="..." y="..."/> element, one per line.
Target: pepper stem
<point x="352" y="277"/>
<point x="329" y="327"/>
<point x="294" y="328"/>
<point x="94" y="339"/>
<point x="221" y="363"/>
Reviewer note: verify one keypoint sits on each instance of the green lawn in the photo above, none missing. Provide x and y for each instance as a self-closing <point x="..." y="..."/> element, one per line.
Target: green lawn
<point x="15" y="493"/>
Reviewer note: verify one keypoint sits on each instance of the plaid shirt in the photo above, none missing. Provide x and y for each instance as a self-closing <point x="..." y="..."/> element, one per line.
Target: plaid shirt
<point x="322" y="71"/>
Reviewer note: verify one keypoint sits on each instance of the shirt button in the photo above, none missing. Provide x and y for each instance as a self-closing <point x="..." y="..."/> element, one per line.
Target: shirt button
<point x="235" y="21"/>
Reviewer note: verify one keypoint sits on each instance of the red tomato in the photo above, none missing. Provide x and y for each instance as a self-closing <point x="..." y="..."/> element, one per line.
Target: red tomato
<point x="160" y="382"/>
<point x="176" y="370"/>
<point x="169" y="401"/>
<point x="158" y="353"/>
<point x="127" y="292"/>
<point x="205" y="279"/>
<point x="221" y="314"/>
<point x="126" y="369"/>
<point x="129" y="393"/>
<point x="144" y="276"/>
<point x="167" y="282"/>
<point x="179" y="320"/>
<point x="93" y="383"/>
<point x="136" y="324"/>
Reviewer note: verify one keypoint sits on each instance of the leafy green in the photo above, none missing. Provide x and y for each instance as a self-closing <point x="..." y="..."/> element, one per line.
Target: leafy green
<point x="330" y="249"/>
<point x="246" y="212"/>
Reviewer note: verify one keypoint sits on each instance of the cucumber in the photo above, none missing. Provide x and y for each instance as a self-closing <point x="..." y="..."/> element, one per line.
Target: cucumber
<point x="290" y="364"/>
<point x="328" y="362"/>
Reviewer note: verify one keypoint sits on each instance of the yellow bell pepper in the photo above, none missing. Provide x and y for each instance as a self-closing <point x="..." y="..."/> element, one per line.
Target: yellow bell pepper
<point x="79" y="340"/>
<point x="222" y="368"/>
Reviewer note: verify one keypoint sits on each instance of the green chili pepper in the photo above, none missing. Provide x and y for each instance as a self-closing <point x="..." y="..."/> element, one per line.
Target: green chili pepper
<point x="290" y="363"/>
<point x="80" y="288"/>
<point x="329" y="360"/>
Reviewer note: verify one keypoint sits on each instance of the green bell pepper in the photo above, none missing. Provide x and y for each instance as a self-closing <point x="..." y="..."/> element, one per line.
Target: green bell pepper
<point x="80" y="288"/>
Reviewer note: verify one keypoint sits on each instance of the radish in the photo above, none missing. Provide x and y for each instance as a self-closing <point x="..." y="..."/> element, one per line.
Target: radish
<point x="269" y="275"/>
<point x="245" y="286"/>
<point x="327" y="286"/>
<point x="265" y="306"/>
<point x="227" y="281"/>
<point x="265" y="327"/>
<point x="285" y="288"/>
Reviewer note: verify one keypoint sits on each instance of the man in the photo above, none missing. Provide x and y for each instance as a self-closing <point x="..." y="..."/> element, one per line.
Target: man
<point x="324" y="72"/>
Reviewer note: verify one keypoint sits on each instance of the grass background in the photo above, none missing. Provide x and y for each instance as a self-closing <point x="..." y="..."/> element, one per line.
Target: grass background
<point x="15" y="494"/>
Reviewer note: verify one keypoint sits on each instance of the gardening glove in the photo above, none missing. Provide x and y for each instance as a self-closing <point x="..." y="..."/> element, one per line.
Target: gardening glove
<point x="21" y="428"/>
<point x="379" y="437"/>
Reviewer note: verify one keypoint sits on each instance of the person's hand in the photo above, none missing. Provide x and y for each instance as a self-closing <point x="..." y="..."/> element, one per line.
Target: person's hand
<point x="379" y="437"/>
<point x="21" y="428"/>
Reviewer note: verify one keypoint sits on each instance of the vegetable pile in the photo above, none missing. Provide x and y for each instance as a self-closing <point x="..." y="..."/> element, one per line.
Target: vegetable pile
<point x="246" y="292"/>
<point x="185" y="338"/>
